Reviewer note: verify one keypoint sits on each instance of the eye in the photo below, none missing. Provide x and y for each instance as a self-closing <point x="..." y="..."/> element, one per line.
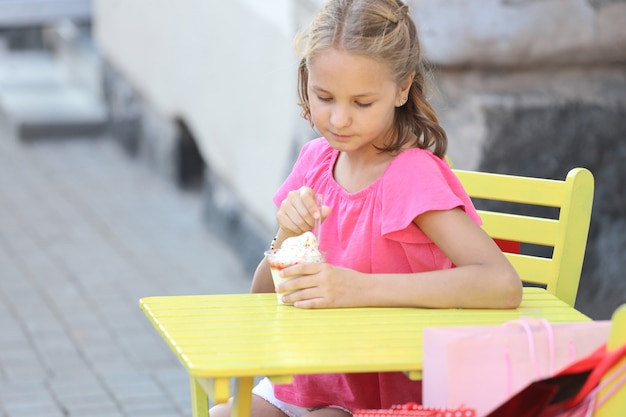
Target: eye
<point x="363" y="105"/>
<point x="324" y="99"/>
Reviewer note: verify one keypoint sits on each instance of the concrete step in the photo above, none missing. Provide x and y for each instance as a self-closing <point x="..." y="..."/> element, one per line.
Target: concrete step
<point x="39" y="100"/>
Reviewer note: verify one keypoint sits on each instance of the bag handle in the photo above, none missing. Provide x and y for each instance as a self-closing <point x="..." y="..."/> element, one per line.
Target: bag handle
<point x="531" y="343"/>
<point x="609" y="359"/>
<point x="531" y="350"/>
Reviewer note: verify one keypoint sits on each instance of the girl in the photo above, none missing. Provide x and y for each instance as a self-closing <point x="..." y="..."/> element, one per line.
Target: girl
<point x="398" y="227"/>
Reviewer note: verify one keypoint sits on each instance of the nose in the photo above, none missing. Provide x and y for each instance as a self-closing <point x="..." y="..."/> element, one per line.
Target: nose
<point x="340" y="117"/>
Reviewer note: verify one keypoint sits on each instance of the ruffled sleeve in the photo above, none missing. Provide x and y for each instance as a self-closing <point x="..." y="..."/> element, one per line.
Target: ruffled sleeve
<point x="417" y="182"/>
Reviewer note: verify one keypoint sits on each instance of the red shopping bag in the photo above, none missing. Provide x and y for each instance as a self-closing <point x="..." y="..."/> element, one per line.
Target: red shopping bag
<point x="416" y="410"/>
<point x="576" y="391"/>
<point x="483" y="366"/>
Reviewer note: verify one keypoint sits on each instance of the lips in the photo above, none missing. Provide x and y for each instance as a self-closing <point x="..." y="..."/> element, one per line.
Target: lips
<point x="340" y="136"/>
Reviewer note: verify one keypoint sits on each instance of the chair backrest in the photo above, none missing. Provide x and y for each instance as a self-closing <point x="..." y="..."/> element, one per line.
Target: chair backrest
<point x="565" y="232"/>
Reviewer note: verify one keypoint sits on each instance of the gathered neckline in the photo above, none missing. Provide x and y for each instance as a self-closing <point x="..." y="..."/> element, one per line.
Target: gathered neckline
<point x="366" y="190"/>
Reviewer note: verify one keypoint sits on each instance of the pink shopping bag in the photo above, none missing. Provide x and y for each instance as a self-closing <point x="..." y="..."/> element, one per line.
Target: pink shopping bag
<point x="575" y="391"/>
<point x="482" y="366"/>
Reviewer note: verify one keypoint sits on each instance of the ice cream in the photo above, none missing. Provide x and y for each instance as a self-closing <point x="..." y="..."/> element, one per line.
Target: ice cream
<point x="294" y="250"/>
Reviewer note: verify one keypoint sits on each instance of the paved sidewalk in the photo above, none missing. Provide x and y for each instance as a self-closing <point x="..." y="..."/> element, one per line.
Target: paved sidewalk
<point x="84" y="233"/>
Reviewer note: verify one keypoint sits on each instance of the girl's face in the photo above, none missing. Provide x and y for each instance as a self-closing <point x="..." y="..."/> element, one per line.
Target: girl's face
<point x="353" y="100"/>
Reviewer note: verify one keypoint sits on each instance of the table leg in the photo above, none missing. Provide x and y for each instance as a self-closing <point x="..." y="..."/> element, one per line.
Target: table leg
<point x="242" y="399"/>
<point x="199" y="399"/>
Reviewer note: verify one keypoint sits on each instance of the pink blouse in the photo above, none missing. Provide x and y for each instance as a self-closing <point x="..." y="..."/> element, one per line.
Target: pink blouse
<point x="372" y="231"/>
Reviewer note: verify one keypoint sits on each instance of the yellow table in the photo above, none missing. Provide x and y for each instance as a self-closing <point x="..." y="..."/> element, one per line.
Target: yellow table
<point x="241" y="336"/>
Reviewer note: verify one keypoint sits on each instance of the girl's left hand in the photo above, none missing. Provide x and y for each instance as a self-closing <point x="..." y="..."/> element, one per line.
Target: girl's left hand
<point x="320" y="285"/>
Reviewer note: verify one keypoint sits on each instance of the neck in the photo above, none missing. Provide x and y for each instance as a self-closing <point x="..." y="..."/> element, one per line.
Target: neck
<point x="356" y="171"/>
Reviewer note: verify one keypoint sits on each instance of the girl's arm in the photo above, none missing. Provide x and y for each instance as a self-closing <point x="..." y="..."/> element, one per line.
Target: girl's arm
<point x="262" y="280"/>
<point x="482" y="278"/>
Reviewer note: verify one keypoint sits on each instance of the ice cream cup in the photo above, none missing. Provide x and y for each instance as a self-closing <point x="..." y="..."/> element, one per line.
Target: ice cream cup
<point x="280" y="261"/>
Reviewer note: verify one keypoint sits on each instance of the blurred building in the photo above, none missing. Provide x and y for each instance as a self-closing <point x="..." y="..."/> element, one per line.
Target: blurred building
<point x="210" y="79"/>
<point x="50" y="77"/>
<point x="33" y="14"/>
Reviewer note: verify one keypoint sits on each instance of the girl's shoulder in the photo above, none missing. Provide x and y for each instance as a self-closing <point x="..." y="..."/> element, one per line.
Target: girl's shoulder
<point x="419" y="161"/>
<point x="317" y="147"/>
<point x="316" y="158"/>
<point x="422" y="175"/>
<point x="422" y="182"/>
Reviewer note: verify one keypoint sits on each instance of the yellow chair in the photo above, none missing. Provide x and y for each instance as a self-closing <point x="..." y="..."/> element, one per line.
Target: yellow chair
<point x="616" y="404"/>
<point x="566" y="234"/>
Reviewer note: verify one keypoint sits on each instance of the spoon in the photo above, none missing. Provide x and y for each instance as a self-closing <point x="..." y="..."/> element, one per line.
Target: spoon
<point x="318" y="231"/>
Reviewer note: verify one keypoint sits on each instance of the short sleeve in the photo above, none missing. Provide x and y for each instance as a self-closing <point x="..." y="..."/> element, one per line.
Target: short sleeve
<point x="416" y="183"/>
<point x="306" y="170"/>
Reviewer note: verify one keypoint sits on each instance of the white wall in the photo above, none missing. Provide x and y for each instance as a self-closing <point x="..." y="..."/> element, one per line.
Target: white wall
<point x="227" y="68"/>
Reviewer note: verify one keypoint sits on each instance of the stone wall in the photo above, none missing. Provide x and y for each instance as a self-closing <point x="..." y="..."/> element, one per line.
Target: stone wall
<point x="521" y="33"/>
<point x="547" y="141"/>
<point x="539" y="98"/>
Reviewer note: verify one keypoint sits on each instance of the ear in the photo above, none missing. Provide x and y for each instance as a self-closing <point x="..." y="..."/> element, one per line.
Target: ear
<point x="403" y="92"/>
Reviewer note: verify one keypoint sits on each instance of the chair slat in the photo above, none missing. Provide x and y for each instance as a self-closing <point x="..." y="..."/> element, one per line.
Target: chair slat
<point x="511" y="188"/>
<point x="519" y="228"/>
<point x="533" y="269"/>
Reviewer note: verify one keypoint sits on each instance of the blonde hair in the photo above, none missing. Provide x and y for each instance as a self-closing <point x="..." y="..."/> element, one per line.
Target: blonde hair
<point x="384" y="31"/>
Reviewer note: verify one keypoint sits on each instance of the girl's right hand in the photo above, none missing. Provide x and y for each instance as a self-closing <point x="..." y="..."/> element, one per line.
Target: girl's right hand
<point x="298" y="213"/>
